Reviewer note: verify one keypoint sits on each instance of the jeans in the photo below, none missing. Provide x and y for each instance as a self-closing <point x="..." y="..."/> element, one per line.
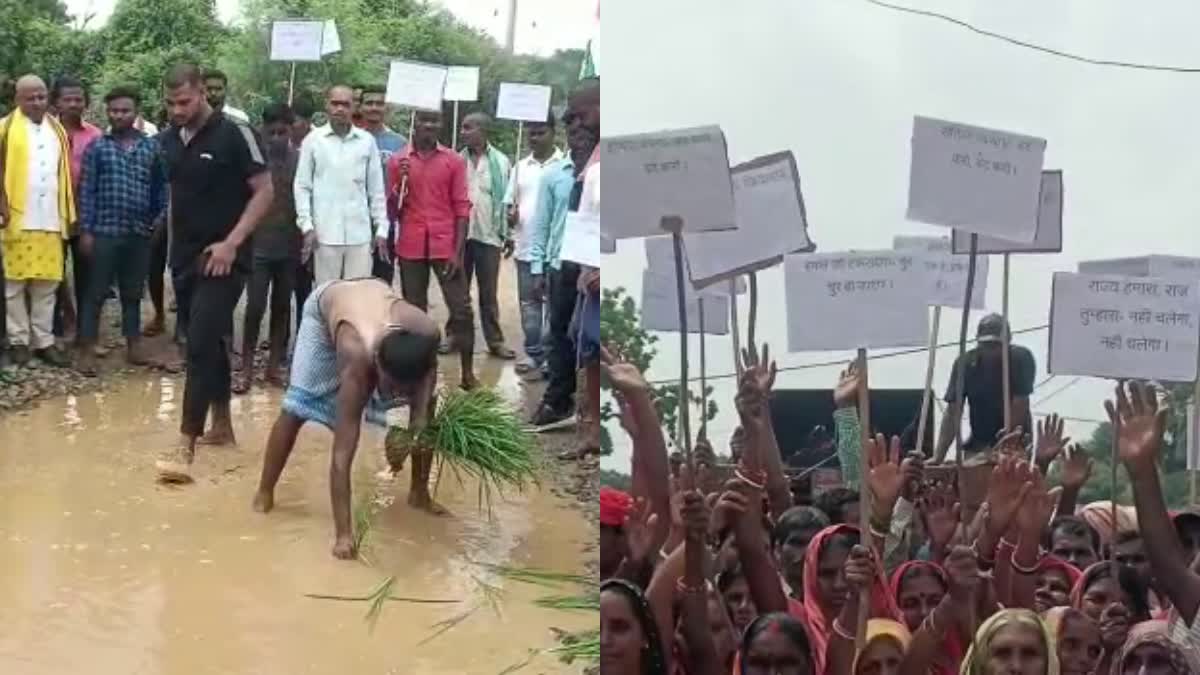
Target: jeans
<point x="126" y="260"/>
<point x="482" y="262"/>
<point x="79" y="270"/>
<point x="533" y="315"/>
<point x="279" y="276"/>
<point x="208" y="304"/>
<point x="414" y="283"/>
<point x="562" y="357"/>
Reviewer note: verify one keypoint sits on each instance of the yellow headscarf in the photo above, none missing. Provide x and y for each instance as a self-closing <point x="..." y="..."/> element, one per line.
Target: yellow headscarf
<point x="979" y="652"/>
<point x="15" y="140"/>
<point x="881" y="629"/>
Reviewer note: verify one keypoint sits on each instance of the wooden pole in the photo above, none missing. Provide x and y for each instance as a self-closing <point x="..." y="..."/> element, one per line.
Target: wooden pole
<point x="517" y="164"/>
<point x="927" y="394"/>
<point x="753" y="309"/>
<point x="412" y="125"/>
<point x="703" y="374"/>
<point x="674" y="225"/>
<point x="960" y="378"/>
<point x="1005" y="357"/>
<point x="864" y="495"/>
<point x="292" y="83"/>
<point x="736" y="330"/>
<point x="453" y="130"/>
<point x="1116" y="435"/>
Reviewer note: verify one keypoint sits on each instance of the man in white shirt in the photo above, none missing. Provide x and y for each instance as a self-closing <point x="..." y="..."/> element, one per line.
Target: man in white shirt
<point x="340" y="201"/>
<point x="215" y="90"/>
<point x="521" y="198"/>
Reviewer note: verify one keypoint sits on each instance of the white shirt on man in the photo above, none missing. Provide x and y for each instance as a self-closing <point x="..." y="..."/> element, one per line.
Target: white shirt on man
<point x="41" y="202"/>
<point x="239" y="115"/>
<point x="525" y="180"/>
<point x="339" y="187"/>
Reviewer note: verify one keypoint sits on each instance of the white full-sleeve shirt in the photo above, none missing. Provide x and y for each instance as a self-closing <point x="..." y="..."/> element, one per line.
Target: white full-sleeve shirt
<point x="339" y="187"/>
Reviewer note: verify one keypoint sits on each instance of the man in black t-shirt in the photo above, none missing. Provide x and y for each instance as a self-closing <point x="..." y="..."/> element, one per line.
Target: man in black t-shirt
<point x="220" y="190"/>
<point x="984" y="387"/>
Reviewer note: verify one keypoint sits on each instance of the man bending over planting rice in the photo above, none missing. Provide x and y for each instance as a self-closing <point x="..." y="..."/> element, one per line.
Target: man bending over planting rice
<point x="358" y="346"/>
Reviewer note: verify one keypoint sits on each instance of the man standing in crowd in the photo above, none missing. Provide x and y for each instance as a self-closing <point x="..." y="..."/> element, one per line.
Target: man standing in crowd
<point x="521" y="198"/>
<point x="216" y="87"/>
<point x="276" y="255"/>
<point x="220" y="190"/>
<point x="983" y="388"/>
<point x="340" y="203"/>
<point x="562" y="193"/>
<point x="427" y="183"/>
<point x="37" y="208"/>
<point x="487" y="241"/>
<point x="69" y="100"/>
<point x="302" y="114"/>
<point x="122" y="200"/>
<point x="374" y="112"/>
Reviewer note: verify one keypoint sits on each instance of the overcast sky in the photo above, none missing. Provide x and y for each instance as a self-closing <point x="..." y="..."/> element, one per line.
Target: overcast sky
<point x="838" y="82"/>
<point x="542" y="25"/>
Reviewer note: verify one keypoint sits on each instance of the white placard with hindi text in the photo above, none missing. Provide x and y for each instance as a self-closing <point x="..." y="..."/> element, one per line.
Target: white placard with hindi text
<point x="1167" y="266"/>
<point x="581" y="239"/>
<point x="297" y="41"/>
<point x="416" y="85"/>
<point x="660" y="307"/>
<point x="770" y="218"/>
<point x="1124" y="327"/>
<point x="462" y="83"/>
<point x="523" y="102"/>
<point x="1049" y="225"/>
<point x="849" y="300"/>
<point x="945" y="275"/>
<point x="660" y="260"/>
<point x="681" y="173"/>
<point x="975" y="179"/>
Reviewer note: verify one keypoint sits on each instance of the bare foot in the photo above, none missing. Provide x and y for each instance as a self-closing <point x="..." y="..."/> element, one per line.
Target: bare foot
<point x="343" y="548"/>
<point x="175" y="466"/>
<point x="218" y="436"/>
<point x="241" y="382"/>
<point x="155" y="328"/>
<point x="277" y="377"/>
<point x="469" y="383"/>
<point x="424" y="502"/>
<point x="264" y="502"/>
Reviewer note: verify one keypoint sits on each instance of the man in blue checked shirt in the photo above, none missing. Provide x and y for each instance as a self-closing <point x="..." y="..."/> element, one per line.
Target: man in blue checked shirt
<point x="122" y="200"/>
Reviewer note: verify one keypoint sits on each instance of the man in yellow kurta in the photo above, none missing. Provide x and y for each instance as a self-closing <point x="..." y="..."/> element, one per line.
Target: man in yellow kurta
<point x="37" y="210"/>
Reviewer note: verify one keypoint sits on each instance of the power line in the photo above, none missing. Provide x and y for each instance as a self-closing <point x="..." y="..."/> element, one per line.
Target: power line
<point x="1058" y="391"/>
<point x="1036" y="47"/>
<point x="843" y="362"/>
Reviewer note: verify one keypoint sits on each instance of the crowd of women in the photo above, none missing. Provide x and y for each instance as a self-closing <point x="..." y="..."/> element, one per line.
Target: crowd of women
<point x="703" y="577"/>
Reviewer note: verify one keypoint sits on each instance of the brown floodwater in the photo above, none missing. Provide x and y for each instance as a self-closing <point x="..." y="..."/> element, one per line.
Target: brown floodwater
<point x="107" y="572"/>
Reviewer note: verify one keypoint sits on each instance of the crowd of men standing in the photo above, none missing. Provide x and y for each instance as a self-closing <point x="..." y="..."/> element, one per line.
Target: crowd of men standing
<point x="268" y="210"/>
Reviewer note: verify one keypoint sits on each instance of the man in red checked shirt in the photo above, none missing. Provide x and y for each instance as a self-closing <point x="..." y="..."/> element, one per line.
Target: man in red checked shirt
<point x="427" y="191"/>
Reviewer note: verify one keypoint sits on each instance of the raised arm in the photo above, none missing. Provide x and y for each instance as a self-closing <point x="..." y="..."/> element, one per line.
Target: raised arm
<point x="352" y="395"/>
<point x="757" y="380"/>
<point x="694" y="588"/>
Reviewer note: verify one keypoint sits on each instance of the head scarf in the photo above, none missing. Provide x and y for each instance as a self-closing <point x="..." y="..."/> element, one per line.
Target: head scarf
<point x="1099" y="516"/>
<point x="820" y="619"/>
<point x="1084" y="580"/>
<point x="980" y="650"/>
<point x="653" y="661"/>
<point x="614" y="507"/>
<point x="1184" y="660"/>
<point x="1106" y="567"/>
<point x="952" y="647"/>
<point x="1074" y="576"/>
<point x="880" y="629"/>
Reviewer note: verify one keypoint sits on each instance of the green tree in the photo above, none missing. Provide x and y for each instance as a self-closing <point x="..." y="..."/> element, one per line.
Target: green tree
<point x="615" y="479"/>
<point x="620" y="324"/>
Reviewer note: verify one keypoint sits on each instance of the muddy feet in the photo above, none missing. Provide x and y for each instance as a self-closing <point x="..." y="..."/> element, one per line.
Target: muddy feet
<point x="175" y="466"/>
<point x="263" y="502"/>
<point x="424" y="502"/>
<point x="218" y="436"/>
<point x="343" y="548"/>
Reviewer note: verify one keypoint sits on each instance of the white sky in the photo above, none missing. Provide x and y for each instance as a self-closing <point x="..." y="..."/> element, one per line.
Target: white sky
<point x="542" y="27"/>
<point x="838" y="82"/>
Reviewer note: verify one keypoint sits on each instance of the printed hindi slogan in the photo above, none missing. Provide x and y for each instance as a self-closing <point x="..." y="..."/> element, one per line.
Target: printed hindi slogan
<point x="945" y="277"/>
<point x="1124" y="327"/>
<point x="979" y="180"/>
<point x="850" y="300"/>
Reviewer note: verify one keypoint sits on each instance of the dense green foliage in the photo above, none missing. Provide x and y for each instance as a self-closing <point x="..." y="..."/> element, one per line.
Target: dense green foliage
<point x="144" y="37"/>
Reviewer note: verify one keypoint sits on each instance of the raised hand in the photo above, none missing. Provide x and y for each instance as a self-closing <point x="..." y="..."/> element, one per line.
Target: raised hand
<point x="639" y="530"/>
<point x="845" y="394"/>
<point x="1011" y="443"/>
<point x="1038" y="506"/>
<point x="1142" y="423"/>
<point x="940" y="511"/>
<point x="694" y="513"/>
<point x="754" y="386"/>
<point x="628" y="417"/>
<point x="1010" y="482"/>
<point x="885" y="477"/>
<point x="625" y="377"/>
<point x="1076" y="467"/>
<point x="962" y="571"/>
<point x="860" y="568"/>
<point x="1050" y="440"/>
<point x="913" y="468"/>
<point x="730" y="507"/>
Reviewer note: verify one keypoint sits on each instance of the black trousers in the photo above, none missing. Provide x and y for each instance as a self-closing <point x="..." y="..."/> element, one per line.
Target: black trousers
<point x="208" y="304"/>
<point x="302" y="285"/>
<point x="456" y="292"/>
<point x="158" y="268"/>
<point x="561" y="286"/>
<point x="81" y="271"/>
<point x="482" y="262"/>
<point x="383" y="269"/>
<point x="278" y="277"/>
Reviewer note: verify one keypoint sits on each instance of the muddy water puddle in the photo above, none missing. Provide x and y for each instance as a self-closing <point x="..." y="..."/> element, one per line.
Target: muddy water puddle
<point x="106" y="572"/>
